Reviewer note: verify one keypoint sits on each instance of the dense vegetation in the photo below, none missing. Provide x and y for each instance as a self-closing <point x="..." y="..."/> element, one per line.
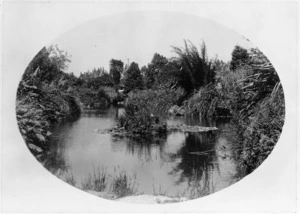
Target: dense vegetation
<point x="246" y="89"/>
<point x="43" y="97"/>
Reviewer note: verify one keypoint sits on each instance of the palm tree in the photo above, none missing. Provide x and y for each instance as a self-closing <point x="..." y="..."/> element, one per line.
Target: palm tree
<point x="196" y="69"/>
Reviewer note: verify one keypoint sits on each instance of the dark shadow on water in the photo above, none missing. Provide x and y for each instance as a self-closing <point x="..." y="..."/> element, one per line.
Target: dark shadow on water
<point x="110" y="112"/>
<point x="196" y="157"/>
<point x="142" y="147"/>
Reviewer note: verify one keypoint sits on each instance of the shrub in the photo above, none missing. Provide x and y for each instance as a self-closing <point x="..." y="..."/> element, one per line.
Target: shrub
<point x="33" y="124"/>
<point x="144" y="108"/>
<point x="40" y="109"/>
<point x="94" y="99"/>
<point x="133" y="78"/>
<point x="111" y="94"/>
<point x="139" y="121"/>
<point x="240" y="57"/>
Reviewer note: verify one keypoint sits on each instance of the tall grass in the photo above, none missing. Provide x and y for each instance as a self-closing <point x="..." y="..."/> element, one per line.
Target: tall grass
<point x="227" y="93"/>
<point x="70" y="179"/>
<point x="204" y="102"/>
<point x="119" y="184"/>
<point x="97" y="181"/>
<point x="124" y="185"/>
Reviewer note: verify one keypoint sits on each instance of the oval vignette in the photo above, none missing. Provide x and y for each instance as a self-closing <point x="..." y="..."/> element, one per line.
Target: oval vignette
<point x="152" y="107"/>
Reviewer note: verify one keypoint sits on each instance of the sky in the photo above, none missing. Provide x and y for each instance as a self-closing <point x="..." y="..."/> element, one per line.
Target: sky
<point x="136" y="36"/>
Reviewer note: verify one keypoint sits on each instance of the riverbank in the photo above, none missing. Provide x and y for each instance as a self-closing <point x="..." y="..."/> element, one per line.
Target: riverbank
<point x="39" y="112"/>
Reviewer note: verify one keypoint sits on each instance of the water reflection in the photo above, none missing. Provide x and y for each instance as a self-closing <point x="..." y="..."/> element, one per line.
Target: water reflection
<point x="196" y="156"/>
<point x="177" y="164"/>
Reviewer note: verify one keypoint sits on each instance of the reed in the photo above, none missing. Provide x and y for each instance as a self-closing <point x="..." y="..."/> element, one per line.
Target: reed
<point x="70" y="179"/>
<point x="203" y="103"/>
<point x="119" y="184"/>
<point x="123" y="185"/>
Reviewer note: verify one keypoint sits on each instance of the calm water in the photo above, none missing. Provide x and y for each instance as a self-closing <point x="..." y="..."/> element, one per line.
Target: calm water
<point x="179" y="164"/>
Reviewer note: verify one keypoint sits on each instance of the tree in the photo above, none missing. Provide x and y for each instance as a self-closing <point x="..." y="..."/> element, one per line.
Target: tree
<point x="133" y="78"/>
<point x="168" y="76"/>
<point x="59" y="58"/>
<point x="156" y="66"/>
<point x="96" y="72"/>
<point x="196" y="69"/>
<point x="161" y="72"/>
<point x="116" y="69"/>
<point x="144" y="70"/>
<point x="239" y="58"/>
<point x="46" y="67"/>
<point x="159" y="61"/>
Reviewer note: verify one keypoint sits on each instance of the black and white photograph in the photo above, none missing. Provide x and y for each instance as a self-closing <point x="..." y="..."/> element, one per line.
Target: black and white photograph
<point x="148" y="107"/>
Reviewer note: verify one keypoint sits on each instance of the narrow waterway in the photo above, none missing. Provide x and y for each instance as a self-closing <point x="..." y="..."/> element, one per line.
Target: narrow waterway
<point x="181" y="164"/>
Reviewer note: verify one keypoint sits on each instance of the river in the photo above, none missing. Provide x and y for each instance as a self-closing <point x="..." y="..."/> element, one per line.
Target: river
<point x="188" y="165"/>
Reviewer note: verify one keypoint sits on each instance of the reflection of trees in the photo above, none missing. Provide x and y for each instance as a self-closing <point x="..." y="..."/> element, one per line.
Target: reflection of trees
<point x="142" y="147"/>
<point x="113" y="112"/>
<point x="105" y="112"/>
<point x="55" y="160"/>
<point x="142" y="150"/>
<point x="197" y="154"/>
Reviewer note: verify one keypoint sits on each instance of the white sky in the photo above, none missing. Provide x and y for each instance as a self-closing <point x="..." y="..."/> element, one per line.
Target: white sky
<point x="138" y="35"/>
